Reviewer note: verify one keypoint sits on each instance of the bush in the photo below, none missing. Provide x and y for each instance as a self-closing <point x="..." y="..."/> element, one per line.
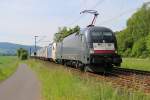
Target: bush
<point x="127" y="53"/>
<point x="148" y="42"/>
<point x="138" y="48"/>
<point x="22" y="54"/>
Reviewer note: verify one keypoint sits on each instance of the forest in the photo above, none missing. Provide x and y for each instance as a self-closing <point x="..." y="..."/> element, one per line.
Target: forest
<point x="134" y="40"/>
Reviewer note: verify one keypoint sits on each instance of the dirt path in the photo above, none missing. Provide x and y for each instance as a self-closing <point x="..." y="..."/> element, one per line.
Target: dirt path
<point x="22" y="85"/>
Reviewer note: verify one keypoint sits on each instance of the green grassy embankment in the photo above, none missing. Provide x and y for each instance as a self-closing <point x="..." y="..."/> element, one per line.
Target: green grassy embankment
<point x="8" y="65"/>
<point x="140" y="64"/>
<point x="59" y="83"/>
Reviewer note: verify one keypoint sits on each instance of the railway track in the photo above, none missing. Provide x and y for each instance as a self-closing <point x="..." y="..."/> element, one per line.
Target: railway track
<point x="132" y="71"/>
<point x="134" y="80"/>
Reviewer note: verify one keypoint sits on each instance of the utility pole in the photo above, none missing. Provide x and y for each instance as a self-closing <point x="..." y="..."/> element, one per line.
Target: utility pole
<point x="35" y="46"/>
<point x="30" y="51"/>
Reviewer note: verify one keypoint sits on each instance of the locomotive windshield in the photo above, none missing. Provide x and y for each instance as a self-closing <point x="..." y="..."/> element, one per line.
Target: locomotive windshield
<point x="99" y="36"/>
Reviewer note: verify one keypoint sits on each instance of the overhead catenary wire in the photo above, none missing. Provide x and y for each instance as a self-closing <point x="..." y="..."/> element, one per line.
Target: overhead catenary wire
<point x="45" y="41"/>
<point x="97" y="4"/>
<point x="76" y="20"/>
<point x="137" y="26"/>
<point x="118" y="16"/>
<point x="42" y="41"/>
<point x="81" y="16"/>
<point x="105" y="21"/>
<point x="84" y="4"/>
<point x="42" y="38"/>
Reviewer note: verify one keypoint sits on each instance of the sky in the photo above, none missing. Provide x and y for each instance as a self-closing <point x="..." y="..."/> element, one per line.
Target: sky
<point x="21" y="20"/>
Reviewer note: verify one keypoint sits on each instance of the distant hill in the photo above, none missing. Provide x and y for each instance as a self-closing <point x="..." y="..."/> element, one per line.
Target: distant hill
<point x="11" y="48"/>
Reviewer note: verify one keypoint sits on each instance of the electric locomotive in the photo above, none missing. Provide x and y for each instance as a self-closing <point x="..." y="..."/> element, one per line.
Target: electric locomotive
<point x="93" y="49"/>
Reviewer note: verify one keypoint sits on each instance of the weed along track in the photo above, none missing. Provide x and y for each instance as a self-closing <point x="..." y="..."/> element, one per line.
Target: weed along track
<point x="134" y="80"/>
<point x="61" y="82"/>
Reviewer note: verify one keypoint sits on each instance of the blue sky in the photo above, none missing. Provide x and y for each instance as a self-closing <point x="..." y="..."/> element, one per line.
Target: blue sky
<point x="20" y="20"/>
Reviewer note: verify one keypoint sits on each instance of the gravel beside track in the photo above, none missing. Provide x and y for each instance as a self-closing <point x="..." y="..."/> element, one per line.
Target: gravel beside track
<point x="133" y="80"/>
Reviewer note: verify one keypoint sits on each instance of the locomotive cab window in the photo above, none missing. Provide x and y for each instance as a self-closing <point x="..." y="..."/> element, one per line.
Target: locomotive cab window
<point x="108" y="36"/>
<point x="99" y="36"/>
<point x="96" y="36"/>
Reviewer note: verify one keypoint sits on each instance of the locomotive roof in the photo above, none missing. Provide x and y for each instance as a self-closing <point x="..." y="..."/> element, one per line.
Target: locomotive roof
<point x="98" y="28"/>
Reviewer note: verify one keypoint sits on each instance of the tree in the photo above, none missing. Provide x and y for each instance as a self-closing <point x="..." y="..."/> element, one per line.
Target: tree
<point x="134" y="40"/>
<point x="64" y="32"/>
<point x="138" y="48"/>
<point x="22" y="54"/>
<point x="148" y="43"/>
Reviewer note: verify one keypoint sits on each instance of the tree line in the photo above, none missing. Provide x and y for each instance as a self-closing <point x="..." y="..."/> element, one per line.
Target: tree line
<point x="134" y="41"/>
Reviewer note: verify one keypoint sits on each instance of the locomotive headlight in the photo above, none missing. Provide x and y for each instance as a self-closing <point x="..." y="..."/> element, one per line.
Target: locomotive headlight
<point x="91" y="51"/>
<point x="116" y="51"/>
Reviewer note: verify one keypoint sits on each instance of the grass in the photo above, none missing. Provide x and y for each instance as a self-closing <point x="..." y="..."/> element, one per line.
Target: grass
<point x="61" y="84"/>
<point x="8" y="65"/>
<point x="140" y="64"/>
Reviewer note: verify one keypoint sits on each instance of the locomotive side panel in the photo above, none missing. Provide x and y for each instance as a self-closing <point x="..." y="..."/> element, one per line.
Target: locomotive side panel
<point x="58" y="51"/>
<point x="71" y="49"/>
<point x="49" y="52"/>
<point x="54" y="51"/>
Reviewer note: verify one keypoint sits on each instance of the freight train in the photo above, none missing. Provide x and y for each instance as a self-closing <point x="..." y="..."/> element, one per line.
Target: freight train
<point x="91" y="49"/>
